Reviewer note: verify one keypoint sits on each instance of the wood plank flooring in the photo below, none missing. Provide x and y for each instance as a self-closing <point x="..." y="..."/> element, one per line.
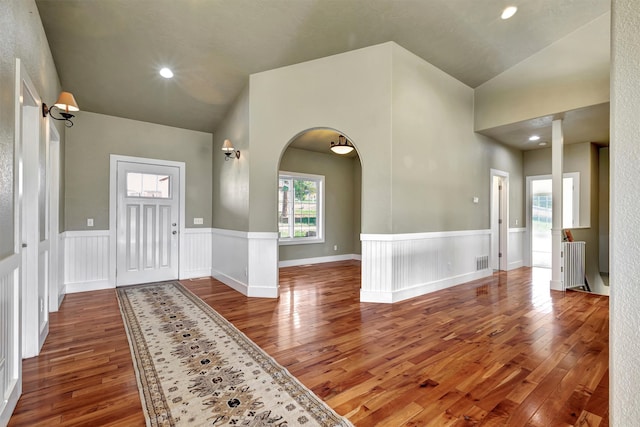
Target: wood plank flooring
<point x="498" y="351"/>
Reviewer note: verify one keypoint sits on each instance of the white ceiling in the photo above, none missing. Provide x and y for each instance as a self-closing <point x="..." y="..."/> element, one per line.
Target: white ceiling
<point x="108" y="52"/>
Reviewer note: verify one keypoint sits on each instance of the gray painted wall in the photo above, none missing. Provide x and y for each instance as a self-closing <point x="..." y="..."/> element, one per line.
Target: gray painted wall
<point x="576" y="158"/>
<point x="231" y="178"/>
<point x="341" y="193"/>
<point x="22" y="37"/>
<point x="412" y="125"/>
<point x="439" y="165"/>
<point x="95" y="136"/>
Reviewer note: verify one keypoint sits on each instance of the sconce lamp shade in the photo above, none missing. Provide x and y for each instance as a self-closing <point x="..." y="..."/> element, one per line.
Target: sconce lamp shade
<point x="227" y="148"/>
<point x="67" y="102"/>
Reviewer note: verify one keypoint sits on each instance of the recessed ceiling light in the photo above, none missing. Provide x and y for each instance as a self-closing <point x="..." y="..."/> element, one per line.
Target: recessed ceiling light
<point x="534" y="138"/>
<point x="508" y="12"/>
<point x="542" y="144"/>
<point x="166" y="73"/>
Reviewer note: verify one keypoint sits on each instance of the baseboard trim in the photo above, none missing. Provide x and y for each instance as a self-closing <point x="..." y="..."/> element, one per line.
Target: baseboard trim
<point x="515" y="264"/>
<point x="318" y="260"/>
<point x="230" y="281"/>
<point x="421" y="289"/>
<point x="193" y="274"/>
<point x="98" y="285"/>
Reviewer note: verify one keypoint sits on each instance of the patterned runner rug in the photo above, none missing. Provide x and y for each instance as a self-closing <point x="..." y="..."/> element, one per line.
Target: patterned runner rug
<point x="194" y="367"/>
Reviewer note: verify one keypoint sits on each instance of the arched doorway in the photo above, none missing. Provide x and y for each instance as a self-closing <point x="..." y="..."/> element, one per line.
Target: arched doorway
<point x="319" y="200"/>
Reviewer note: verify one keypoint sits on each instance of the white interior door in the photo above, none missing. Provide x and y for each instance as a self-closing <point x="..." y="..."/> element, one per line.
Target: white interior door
<point x="499" y="213"/>
<point x="147" y="223"/>
<point x="34" y="226"/>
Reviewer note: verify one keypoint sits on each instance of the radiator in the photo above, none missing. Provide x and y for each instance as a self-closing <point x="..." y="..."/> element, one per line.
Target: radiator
<point x="573" y="264"/>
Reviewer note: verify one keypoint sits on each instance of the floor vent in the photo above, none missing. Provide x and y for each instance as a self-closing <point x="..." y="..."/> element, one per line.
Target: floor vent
<point x="482" y="262"/>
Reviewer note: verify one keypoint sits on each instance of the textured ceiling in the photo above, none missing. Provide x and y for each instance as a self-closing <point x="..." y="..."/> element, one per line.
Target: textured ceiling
<point x="108" y="52"/>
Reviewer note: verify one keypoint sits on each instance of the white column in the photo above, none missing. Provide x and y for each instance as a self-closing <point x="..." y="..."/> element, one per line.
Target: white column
<point x="557" y="145"/>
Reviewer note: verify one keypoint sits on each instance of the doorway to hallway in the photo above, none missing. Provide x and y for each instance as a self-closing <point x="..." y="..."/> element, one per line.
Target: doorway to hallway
<point x="540" y="213"/>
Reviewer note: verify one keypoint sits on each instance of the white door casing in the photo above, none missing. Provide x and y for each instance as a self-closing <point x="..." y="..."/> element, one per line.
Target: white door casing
<point x="148" y="225"/>
<point x="56" y="290"/>
<point x="499" y="217"/>
<point x="34" y="227"/>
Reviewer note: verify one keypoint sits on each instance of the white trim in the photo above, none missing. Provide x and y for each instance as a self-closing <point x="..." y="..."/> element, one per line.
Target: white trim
<point x="113" y="193"/>
<point x="420" y="236"/>
<point x="317" y="260"/>
<point x="397" y="267"/>
<point x="196" y="256"/>
<point x="86" y="268"/>
<point x="501" y="230"/>
<point x="319" y="238"/>
<point x="53" y="181"/>
<point x="72" y="288"/>
<point x="245" y="234"/>
<point x="262" y="235"/>
<point x="422" y="288"/>
<point x="515" y="257"/>
<point x="528" y="197"/>
<point x="246" y="261"/>
<point x="85" y="233"/>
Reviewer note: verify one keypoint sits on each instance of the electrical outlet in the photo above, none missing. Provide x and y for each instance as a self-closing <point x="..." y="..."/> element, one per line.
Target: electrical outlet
<point x="516" y="222"/>
<point x="198" y="221"/>
<point x="89" y="222"/>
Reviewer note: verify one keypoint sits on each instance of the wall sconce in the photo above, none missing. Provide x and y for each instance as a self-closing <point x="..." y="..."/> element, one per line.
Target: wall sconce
<point x="228" y="150"/>
<point x="65" y="102"/>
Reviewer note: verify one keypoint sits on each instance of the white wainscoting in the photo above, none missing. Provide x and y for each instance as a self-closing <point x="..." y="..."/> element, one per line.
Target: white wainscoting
<point x="86" y="260"/>
<point x="196" y="256"/>
<point x="401" y="266"/>
<point x="10" y="357"/>
<point x="246" y="261"/>
<point x="515" y="255"/>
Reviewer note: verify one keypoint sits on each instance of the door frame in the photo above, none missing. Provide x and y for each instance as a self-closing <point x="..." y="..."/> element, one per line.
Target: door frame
<point x="56" y="294"/>
<point x="113" y="197"/>
<point x="528" y="253"/>
<point x="502" y="232"/>
<point x="34" y="306"/>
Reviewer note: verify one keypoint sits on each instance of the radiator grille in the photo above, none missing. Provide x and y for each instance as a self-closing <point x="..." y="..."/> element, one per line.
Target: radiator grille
<point x="482" y="262"/>
<point x="573" y="264"/>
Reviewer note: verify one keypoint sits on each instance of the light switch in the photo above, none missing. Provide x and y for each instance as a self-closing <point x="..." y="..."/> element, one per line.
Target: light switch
<point x="476" y="200"/>
<point x="198" y="221"/>
<point x="89" y="222"/>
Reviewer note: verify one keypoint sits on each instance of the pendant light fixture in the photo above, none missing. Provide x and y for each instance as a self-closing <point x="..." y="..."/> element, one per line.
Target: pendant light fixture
<point x="342" y="147"/>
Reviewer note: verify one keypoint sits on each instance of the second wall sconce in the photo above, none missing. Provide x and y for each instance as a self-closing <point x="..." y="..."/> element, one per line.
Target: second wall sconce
<point x="228" y="150"/>
<point x="65" y="103"/>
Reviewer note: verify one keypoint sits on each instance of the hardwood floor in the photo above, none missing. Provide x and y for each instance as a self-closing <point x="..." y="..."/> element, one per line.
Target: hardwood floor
<point x="498" y="351"/>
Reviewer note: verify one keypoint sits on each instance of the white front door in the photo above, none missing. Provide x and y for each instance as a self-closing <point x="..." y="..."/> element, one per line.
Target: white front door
<point x="147" y="223"/>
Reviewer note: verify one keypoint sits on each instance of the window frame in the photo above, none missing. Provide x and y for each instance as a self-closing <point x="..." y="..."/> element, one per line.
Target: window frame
<point x="320" y="212"/>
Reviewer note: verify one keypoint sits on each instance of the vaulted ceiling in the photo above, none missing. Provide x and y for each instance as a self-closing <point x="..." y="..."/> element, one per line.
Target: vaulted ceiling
<point x="108" y="52"/>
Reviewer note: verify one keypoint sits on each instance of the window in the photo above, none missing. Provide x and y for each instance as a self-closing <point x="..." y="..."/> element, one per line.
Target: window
<point x="148" y="185"/>
<point x="300" y="208"/>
